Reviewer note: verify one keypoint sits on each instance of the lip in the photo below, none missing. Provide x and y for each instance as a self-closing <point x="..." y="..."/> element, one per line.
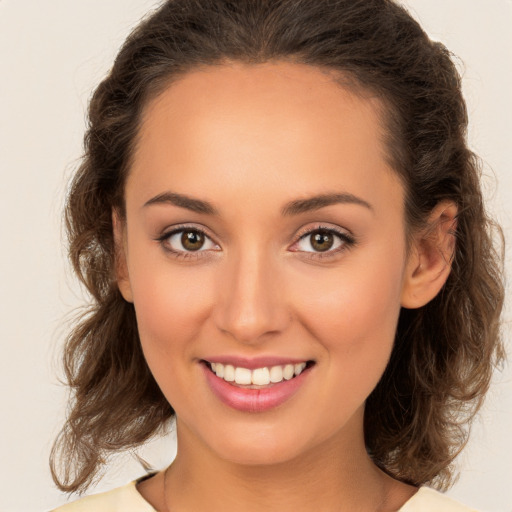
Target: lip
<point x="254" y="400"/>
<point x="254" y="362"/>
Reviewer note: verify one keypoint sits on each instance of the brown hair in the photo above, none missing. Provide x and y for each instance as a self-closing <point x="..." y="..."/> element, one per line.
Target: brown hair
<point x="444" y="352"/>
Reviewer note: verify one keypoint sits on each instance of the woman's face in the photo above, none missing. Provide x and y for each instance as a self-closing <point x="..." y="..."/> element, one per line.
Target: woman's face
<point x="264" y="231"/>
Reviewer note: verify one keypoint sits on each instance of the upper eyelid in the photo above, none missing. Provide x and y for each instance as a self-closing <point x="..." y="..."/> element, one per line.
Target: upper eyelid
<point x="344" y="237"/>
<point x="322" y="226"/>
<point x="172" y="230"/>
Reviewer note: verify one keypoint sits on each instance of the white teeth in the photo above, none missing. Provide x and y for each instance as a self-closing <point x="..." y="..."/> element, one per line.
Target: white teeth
<point x="298" y="368"/>
<point x="229" y="373"/>
<point x="288" y="371"/>
<point x="243" y="376"/>
<point x="259" y="376"/>
<point x="219" y="370"/>
<point x="276" y="374"/>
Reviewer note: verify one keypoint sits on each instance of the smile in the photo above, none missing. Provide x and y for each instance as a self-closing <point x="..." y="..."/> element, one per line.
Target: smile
<point x="259" y="376"/>
<point x="256" y="389"/>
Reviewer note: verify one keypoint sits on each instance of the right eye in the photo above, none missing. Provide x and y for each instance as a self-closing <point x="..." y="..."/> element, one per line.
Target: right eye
<point x="185" y="241"/>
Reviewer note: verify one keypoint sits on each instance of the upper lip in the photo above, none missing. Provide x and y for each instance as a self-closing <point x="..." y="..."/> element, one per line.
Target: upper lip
<point x="255" y="362"/>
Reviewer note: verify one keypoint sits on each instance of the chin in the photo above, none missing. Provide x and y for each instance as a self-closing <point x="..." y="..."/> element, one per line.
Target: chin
<point x="258" y="455"/>
<point x="264" y="445"/>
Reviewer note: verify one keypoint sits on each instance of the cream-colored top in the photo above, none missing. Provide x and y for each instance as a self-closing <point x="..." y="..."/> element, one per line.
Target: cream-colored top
<point x="128" y="499"/>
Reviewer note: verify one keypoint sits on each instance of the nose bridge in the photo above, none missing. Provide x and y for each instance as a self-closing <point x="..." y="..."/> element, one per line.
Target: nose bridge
<point x="251" y="303"/>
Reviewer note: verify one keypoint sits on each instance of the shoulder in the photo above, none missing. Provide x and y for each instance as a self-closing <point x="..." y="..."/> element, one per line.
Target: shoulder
<point x="122" y="499"/>
<point x="427" y="500"/>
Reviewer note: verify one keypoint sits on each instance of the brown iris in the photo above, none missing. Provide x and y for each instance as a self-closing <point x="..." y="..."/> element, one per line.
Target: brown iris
<point x="192" y="240"/>
<point x="321" y="241"/>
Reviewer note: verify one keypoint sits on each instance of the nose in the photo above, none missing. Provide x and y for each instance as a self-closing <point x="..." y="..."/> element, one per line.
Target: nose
<point x="251" y="303"/>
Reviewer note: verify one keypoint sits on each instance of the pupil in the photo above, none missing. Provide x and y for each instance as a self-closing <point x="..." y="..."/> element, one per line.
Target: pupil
<point x="192" y="240"/>
<point x="322" y="241"/>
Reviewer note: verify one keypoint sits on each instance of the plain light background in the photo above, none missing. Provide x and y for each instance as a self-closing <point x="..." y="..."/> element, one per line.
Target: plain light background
<point x="52" y="54"/>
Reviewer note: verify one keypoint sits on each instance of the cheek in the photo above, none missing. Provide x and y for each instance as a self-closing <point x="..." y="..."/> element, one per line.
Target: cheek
<point x="170" y="307"/>
<point x="353" y="312"/>
<point x="170" y="304"/>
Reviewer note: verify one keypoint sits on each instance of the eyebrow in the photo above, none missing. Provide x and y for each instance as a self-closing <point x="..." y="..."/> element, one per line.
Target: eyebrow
<point x="183" y="201"/>
<point x="295" y="207"/>
<point x="321" y="201"/>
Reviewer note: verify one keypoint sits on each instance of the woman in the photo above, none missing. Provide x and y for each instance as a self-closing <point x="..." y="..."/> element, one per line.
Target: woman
<point x="283" y="230"/>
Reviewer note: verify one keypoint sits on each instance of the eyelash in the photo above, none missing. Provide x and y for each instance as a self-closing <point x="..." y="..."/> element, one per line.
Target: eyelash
<point x="185" y="255"/>
<point x="347" y="242"/>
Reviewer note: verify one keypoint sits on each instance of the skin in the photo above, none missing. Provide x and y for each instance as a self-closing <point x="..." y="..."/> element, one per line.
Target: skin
<point x="249" y="140"/>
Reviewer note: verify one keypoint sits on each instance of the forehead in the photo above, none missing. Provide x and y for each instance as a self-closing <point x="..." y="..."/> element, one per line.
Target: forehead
<point x="290" y="125"/>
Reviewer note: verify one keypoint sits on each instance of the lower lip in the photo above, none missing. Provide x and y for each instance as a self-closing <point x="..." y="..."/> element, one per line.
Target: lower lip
<point x="254" y="400"/>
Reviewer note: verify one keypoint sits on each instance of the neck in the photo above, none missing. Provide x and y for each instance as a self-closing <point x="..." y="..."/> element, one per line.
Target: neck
<point x="336" y="476"/>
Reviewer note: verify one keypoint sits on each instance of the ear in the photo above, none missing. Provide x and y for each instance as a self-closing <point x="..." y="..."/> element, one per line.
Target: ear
<point x="430" y="258"/>
<point x="121" y="264"/>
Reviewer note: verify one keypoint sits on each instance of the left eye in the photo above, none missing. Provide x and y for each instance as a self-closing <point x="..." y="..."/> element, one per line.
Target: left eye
<point x="189" y="240"/>
<point x="321" y="240"/>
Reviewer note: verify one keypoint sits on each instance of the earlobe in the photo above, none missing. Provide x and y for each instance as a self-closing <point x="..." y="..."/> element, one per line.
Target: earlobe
<point x="430" y="258"/>
<point x="121" y="264"/>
